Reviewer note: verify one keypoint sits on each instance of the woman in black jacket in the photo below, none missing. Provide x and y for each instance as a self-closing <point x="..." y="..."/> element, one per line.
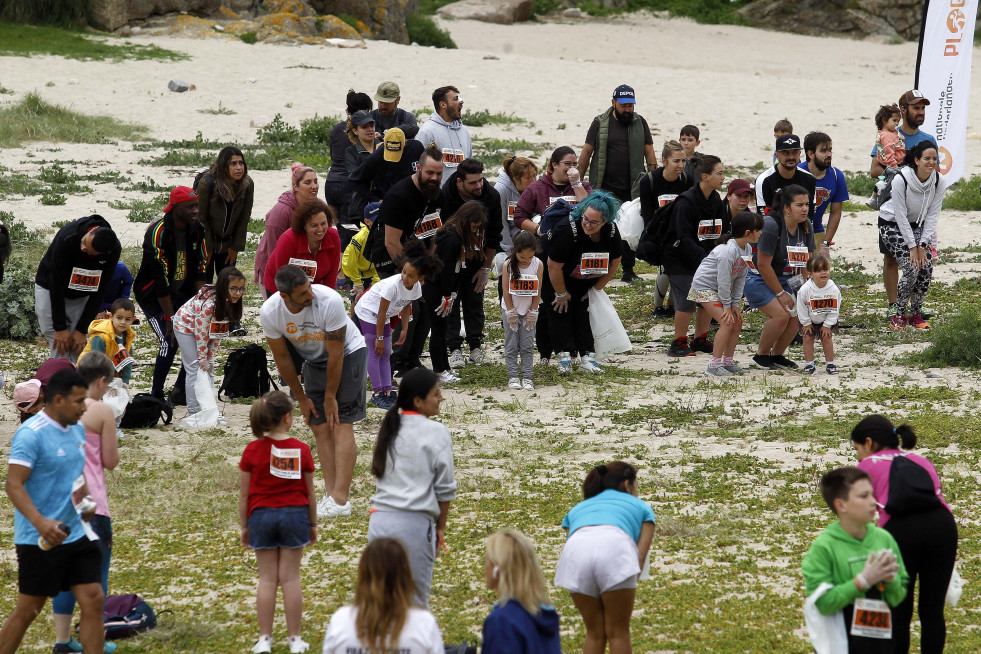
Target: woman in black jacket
<point x="697" y="223"/>
<point x="462" y="234"/>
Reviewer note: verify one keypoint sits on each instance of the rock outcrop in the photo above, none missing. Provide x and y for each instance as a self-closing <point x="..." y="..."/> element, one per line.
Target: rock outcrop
<point x="382" y="19"/>
<point x="503" y="12"/>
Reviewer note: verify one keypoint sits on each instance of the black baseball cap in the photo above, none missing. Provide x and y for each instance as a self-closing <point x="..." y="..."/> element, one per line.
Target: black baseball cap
<point x="624" y="94"/>
<point x="788" y="142"/>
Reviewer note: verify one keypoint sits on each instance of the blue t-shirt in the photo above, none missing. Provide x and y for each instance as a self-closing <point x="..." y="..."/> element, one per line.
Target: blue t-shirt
<point x="611" y="507"/>
<point x="829" y="189"/>
<point x="56" y="457"/>
<point x="912" y="140"/>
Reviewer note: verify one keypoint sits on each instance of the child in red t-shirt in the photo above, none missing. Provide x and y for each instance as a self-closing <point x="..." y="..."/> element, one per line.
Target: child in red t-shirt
<point x="278" y="512"/>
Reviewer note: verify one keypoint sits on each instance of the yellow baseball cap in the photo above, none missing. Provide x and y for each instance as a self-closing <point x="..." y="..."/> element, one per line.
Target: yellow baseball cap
<point x="394" y="144"/>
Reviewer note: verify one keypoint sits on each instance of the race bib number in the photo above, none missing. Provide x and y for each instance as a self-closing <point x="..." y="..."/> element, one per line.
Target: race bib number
<point x="79" y="492"/>
<point x="824" y="304"/>
<point x="429" y="225"/>
<point x="664" y="199"/>
<point x="511" y="207"/>
<point x="709" y="230"/>
<point x="871" y="619"/>
<point x="85" y="280"/>
<point x="571" y="199"/>
<point x="452" y="157"/>
<point x="594" y="264"/>
<point x="748" y="258"/>
<point x="121" y="359"/>
<point x="526" y="286"/>
<point x="219" y="329"/>
<point x="797" y="256"/>
<point x="284" y="463"/>
<point x="308" y="266"/>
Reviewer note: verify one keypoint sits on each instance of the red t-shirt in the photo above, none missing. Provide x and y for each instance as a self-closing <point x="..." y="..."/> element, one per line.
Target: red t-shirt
<point x="277" y="469"/>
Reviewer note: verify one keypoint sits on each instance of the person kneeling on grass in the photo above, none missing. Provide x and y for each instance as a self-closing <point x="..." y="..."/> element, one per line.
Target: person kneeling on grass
<point x="718" y="288"/>
<point x="818" y="305"/>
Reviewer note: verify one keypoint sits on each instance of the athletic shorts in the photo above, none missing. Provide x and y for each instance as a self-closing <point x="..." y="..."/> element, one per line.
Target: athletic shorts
<point x="352" y="400"/>
<point x="45" y="574"/>
<point x="597" y="560"/>
<point x="680" y="285"/>
<point x="287" y="527"/>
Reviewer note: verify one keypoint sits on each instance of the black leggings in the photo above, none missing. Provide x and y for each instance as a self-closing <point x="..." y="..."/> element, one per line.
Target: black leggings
<point x="928" y="543"/>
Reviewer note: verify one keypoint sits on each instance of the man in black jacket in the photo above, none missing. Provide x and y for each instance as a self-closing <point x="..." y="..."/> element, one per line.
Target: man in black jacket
<point x="387" y="165"/>
<point x="71" y="281"/>
<point x="173" y="269"/>
<point x="464" y="185"/>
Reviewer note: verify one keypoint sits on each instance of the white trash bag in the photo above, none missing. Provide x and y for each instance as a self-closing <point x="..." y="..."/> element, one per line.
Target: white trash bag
<point x="630" y="222"/>
<point x="117" y="398"/>
<point x="609" y="336"/>
<point x="207" y="415"/>
<point x="954" y="589"/>
<point x="498" y="266"/>
<point x="827" y="632"/>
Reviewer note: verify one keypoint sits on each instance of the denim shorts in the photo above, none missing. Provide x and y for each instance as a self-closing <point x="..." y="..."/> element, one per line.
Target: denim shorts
<point x="758" y="294"/>
<point x="287" y="527"/>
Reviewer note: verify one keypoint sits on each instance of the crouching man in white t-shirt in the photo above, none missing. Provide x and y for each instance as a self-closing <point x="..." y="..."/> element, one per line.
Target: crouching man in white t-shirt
<point x="312" y="321"/>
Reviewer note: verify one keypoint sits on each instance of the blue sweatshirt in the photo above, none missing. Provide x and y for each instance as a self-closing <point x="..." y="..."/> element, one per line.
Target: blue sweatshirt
<point x="510" y="629"/>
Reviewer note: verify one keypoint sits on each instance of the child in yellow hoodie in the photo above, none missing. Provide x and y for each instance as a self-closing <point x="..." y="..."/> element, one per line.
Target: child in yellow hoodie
<point x="114" y="336"/>
<point x="355" y="264"/>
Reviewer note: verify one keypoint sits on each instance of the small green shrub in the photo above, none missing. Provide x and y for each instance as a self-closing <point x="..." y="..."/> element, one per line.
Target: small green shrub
<point x="349" y="19"/>
<point x="424" y="31"/>
<point x="17" y="318"/>
<point x="956" y="341"/>
<point x="964" y="195"/>
<point x="53" y="199"/>
<point x="485" y="117"/>
<point x="248" y="37"/>
<point x="860" y="185"/>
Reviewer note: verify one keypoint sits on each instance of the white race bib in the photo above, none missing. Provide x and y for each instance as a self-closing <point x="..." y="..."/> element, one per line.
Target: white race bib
<point x="594" y="264"/>
<point x="709" y="230"/>
<point x="308" y="266"/>
<point x="285" y="463"/>
<point x="871" y="618"/>
<point x="822" y="305"/>
<point x="121" y="359"/>
<point x="452" y="157"/>
<point x="429" y="225"/>
<point x="85" y="280"/>
<point x="219" y="329"/>
<point x="525" y="285"/>
<point x="571" y="199"/>
<point x="748" y="258"/>
<point x="664" y="199"/>
<point x="511" y="207"/>
<point x="797" y="256"/>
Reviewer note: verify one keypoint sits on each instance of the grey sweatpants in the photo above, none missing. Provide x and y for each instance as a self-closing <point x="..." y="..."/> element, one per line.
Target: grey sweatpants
<point x="73" y="311"/>
<point x="518" y="341"/>
<point x="188" y="348"/>
<point x="417" y="531"/>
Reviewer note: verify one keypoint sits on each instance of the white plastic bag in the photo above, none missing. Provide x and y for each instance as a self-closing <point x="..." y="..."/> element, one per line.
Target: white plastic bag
<point x="498" y="266"/>
<point x="954" y="589"/>
<point x="207" y="415"/>
<point x="118" y="398"/>
<point x="630" y="223"/>
<point x="827" y="632"/>
<point x="609" y="336"/>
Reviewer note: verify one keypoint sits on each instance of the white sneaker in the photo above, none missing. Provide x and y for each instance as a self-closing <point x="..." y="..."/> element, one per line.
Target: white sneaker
<point x="335" y="510"/>
<point x="588" y="364"/>
<point x="457" y="360"/>
<point x="222" y="422"/>
<point x="528" y="385"/>
<point x="323" y="506"/>
<point x="448" y="377"/>
<point x="263" y="645"/>
<point x="514" y="383"/>
<point x="565" y="363"/>
<point x="298" y="645"/>
<point x="477" y="356"/>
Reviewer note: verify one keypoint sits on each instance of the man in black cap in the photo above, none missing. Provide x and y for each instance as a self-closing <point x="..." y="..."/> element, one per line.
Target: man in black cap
<point x="784" y="173"/>
<point x="621" y="140"/>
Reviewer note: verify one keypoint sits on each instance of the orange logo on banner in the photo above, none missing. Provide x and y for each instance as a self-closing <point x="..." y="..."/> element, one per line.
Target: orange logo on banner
<point x="955" y="21"/>
<point x="944" y="161"/>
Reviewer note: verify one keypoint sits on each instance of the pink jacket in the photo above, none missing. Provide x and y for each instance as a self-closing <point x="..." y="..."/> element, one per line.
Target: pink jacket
<point x="277" y="222"/>
<point x="890" y="148"/>
<point x="195" y="318"/>
<point x="878" y="464"/>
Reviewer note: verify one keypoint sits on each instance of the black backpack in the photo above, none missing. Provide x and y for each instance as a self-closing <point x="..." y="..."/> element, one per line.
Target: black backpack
<point x="145" y="411"/>
<point x="654" y="238"/>
<point x="127" y="615"/>
<point x="554" y="214"/>
<point x="246" y="373"/>
<point x="911" y="488"/>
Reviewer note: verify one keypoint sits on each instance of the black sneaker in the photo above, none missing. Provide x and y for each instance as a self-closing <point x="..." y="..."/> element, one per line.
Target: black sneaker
<point x="629" y="276"/>
<point x="831" y="368"/>
<point x="177" y="397"/>
<point x="701" y="344"/>
<point x="236" y="329"/>
<point x="764" y="361"/>
<point x="679" y="348"/>
<point x="780" y="361"/>
<point x="798" y="339"/>
<point x="663" y="313"/>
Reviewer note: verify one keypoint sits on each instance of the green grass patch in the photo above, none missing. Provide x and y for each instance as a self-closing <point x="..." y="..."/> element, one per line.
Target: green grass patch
<point x="956" y="341"/>
<point x="34" y="119"/>
<point x="712" y="12"/>
<point x="141" y="211"/>
<point x="485" y="117"/>
<point x="248" y="37"/>
<point x="964" y="195"/>
<point x="220" y="111"/>
<point x="424" y="31"/>
<point x="27" y="40"/>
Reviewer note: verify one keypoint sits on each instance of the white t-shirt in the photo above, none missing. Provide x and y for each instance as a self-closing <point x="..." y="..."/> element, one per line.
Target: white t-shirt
<point x="393" y="290"/>
<point x="305" y="330"/>
<point x="420" y="634"/>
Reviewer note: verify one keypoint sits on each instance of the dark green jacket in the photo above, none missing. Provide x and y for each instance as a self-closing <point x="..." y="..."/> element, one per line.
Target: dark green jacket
<point x="635" y="149"/>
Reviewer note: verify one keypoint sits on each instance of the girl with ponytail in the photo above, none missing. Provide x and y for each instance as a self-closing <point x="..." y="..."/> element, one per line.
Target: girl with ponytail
<point x="413" y="462"/>
<point x="921" y="522"/>
<point x="609" y="537"/>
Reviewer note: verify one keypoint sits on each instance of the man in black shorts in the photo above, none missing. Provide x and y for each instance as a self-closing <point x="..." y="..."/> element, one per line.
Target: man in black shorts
<point x="45" y="481"/>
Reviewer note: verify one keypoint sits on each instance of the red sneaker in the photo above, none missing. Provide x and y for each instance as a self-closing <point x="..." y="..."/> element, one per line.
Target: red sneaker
<point x="917" y="321"/>
<point x="897" y="322"/>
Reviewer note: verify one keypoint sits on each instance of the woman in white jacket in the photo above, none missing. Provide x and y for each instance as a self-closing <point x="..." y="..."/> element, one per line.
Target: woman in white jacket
<point x="908" y="225"/>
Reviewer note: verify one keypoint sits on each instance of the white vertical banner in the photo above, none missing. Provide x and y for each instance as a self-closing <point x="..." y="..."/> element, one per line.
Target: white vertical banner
<point x="943" y="76"/>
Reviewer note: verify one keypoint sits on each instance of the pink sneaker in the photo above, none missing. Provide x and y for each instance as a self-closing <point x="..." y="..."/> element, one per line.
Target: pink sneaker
<point x="917" y="321"/>
<point x="897" y="322"/>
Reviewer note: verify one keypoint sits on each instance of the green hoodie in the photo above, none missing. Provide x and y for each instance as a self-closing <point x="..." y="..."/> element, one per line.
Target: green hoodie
<point x="836" y="557"/>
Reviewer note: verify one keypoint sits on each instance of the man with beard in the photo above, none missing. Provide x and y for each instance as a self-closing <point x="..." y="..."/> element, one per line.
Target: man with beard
<point x="445" y="129"/>
<point x="912" y="105"/>
<point x="831" y="189"/>
<point x="388" y="114"/>
<point x="622" y="142"/>
<point x="410" y="209"/>
<point x="784" y="173"/>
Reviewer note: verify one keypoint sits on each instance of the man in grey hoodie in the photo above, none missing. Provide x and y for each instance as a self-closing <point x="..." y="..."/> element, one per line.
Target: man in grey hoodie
<point x="445" y="129"/>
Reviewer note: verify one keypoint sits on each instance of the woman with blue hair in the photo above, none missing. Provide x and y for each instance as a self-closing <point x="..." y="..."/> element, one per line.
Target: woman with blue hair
<point x="583" y="253"/>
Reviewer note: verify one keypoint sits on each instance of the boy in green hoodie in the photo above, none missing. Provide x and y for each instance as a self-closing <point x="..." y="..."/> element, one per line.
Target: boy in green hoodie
<point x="861" y="561"/>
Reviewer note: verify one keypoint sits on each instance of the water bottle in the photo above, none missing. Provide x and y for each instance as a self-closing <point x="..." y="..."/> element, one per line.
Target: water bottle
<point x="44" y="545"/>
